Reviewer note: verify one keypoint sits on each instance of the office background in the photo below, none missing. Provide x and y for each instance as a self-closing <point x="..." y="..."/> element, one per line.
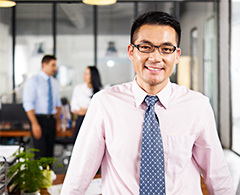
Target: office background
<point x="81" y="35"/>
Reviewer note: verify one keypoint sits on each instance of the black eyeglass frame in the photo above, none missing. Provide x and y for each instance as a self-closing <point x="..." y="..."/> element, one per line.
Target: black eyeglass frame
<point x="155" y="46"/>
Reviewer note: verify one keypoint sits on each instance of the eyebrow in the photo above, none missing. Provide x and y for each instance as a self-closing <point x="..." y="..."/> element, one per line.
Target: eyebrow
<point x="148" y="42"/>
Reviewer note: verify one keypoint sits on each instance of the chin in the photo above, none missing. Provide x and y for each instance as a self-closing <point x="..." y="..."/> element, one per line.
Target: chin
<point x="155" y="81"/>
<point x="158" y="82"/>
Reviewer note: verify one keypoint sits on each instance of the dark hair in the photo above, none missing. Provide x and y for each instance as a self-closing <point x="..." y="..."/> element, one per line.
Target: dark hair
<point x="156" y="18"/>
<point x="48" y="58"/>
<point x="95" y="79"/>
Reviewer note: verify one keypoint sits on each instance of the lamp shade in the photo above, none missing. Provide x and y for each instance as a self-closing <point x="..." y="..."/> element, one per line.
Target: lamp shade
<point x="7" y="3"/>
<point x="99" y="2"/>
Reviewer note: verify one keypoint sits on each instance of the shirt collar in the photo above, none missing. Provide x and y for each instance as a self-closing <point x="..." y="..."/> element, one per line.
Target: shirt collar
<point x="140" y="94"/>
<point x="164" y="94"/>
<point x="44" y="75"/>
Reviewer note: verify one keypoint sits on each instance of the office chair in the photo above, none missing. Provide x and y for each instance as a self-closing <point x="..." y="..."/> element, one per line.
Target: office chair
<point x="65" y="142"/>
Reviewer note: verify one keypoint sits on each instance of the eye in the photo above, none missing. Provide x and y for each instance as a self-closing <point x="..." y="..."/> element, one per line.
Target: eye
<point x="145" y="47"/>
<point x="167" y="48"/>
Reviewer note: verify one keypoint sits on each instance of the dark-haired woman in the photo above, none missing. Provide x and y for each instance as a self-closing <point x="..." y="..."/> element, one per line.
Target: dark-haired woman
<point x="82" y="94"/>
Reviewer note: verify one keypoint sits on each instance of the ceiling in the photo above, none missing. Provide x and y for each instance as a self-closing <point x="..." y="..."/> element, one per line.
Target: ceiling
<point x="78" y="16"/>
<point x="69" y="1"/>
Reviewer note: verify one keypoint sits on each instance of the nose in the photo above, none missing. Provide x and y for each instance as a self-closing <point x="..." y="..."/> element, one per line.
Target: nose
<point x="156" y="55"/>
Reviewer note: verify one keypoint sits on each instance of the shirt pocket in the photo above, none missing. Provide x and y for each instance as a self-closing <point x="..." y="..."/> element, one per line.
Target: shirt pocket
<point x="178" y="152"/>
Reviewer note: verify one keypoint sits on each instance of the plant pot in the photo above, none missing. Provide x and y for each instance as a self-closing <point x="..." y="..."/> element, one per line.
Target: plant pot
<point x="48" y="178"/>
<point x="32" y="193"/>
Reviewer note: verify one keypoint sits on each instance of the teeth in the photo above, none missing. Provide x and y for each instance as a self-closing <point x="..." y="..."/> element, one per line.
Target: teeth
<point x="153" y="68"/>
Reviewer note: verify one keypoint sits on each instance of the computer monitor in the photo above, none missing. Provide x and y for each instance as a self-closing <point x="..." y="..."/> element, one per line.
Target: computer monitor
<point x="14" y="113"/>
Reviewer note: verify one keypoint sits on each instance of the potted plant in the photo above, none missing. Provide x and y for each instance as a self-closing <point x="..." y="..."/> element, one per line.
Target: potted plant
<point x="29" y="174"/>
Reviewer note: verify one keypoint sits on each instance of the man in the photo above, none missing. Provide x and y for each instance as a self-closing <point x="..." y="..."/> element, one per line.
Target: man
<point x="118" y="127"/>
<point x="41" y="101"/>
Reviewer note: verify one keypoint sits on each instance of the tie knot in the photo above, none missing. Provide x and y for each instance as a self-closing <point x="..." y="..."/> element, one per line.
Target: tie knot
<point x="151" y="100"/>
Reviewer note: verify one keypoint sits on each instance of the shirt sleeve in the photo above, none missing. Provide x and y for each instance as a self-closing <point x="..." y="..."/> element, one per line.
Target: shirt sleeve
<point x="58" y="101"/>
<point x="87" y="153"/>
<point x="210" y="157"/>
<point x="29" y="95"/>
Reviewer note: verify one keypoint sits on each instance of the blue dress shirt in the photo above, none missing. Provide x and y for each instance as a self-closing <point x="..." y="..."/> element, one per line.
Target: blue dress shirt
<point x="35" y="94"/>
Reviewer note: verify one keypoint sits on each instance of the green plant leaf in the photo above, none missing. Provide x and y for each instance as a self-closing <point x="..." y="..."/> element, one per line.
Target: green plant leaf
<point x="27" y="173"/>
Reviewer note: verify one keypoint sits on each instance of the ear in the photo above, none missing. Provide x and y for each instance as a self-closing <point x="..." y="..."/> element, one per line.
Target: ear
<point x="178" y="53"/>
<point x="43" y="64"/>
<point x="130" y="51"/>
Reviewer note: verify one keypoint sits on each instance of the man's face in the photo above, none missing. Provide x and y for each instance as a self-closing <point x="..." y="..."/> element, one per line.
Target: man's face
<point x="50" y="68"/>
<point x="154" y="69"/>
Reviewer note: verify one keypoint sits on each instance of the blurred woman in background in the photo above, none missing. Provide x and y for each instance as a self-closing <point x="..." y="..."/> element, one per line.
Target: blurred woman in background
<point x="82" y="94"/>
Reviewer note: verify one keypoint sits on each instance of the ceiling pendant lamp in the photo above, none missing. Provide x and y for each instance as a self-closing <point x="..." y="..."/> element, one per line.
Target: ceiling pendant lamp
<point x="99" y="2"/>
<point x="7" y="3"/>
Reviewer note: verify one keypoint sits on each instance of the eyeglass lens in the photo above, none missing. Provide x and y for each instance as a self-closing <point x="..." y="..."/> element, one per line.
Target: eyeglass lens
<point x="165" y="49"/>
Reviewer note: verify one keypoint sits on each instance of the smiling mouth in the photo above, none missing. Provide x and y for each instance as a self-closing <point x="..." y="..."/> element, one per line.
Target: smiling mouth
<point x="154" y="69"/>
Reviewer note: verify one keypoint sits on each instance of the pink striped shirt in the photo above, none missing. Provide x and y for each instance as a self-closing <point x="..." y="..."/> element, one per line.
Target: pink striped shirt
<point x="111" y="134"/>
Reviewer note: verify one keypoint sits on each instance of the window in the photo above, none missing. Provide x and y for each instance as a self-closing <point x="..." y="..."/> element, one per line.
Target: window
<point x="114" y="23"/>
<point x="6" y="80"/>
<point x="34" y="39"/>
<point x="74" y="44"/>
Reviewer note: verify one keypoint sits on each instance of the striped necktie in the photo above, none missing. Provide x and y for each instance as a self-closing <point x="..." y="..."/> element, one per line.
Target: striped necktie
<point x="152" y="175"/>
<point x="50" y="99"/>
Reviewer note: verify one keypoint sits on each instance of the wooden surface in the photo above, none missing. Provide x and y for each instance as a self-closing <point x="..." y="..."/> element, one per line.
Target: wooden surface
<point x="27" y="133"/>
<point x="204" y="187"/>
<point x="15" y="133"/>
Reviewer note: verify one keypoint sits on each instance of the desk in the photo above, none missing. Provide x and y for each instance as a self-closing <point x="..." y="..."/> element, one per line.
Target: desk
<point x="27" y="133"/>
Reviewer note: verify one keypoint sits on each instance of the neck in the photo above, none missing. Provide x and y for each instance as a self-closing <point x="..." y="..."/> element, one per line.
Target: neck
<point x="46" y="73"/>
<point x="89" y="85"/>
<point x="152" y="89"/>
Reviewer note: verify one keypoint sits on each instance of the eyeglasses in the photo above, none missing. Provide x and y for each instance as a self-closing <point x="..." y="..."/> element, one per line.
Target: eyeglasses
<point x="148" y="48"/>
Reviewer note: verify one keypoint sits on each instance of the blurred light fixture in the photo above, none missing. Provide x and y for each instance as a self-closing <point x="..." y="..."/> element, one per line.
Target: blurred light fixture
<point x="110" y="63"/>
<point x="99" y="2"/>
<point x="7" y="3"/>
